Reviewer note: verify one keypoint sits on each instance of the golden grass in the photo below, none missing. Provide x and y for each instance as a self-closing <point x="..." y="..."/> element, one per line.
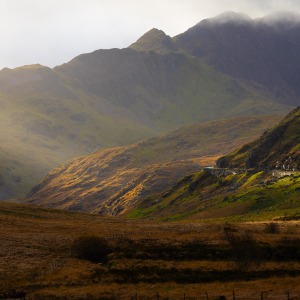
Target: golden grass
<point x="35" y="256"/>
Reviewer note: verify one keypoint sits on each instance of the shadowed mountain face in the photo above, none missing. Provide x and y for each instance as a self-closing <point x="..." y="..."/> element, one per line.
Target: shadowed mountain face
<point x="276" y="148"/>
<point x="264" y="53"/>
<point x="115" y="180"/>
<point x="162" y="91"/>
<point x="115" y="97"/>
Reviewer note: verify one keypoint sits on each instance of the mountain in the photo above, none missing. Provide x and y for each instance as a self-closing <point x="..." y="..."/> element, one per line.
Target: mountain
<point x="113" y="181"/>
<point x="263" y="52"/>
<point x="163" y="91"/>
<point x="269" y="189"/>
<point x="108" y="98"/>
<point x="46" y="120"/>
<point x="276" y="147"/>
<point x="223" y="67"/>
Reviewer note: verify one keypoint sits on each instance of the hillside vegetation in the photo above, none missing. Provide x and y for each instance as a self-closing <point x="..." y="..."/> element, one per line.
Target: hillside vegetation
<point x="277" y="148"/>
<point x="46" y="121"/>
<point x="258" y="181"/>
<point x="115" y="180"/>
<point x="247" y="196"/>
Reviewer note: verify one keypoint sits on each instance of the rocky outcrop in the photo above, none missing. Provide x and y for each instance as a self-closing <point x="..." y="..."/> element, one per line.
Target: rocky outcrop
<point x="272" y="149"/>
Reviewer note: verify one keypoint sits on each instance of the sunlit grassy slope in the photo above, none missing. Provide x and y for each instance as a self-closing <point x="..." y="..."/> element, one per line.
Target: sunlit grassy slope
<point x="114" y="180"/>
<point x="245" y="196"/>
<point x="46" y="121"/>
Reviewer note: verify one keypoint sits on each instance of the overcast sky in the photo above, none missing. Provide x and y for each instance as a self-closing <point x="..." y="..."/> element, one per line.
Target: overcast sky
<point x="51" y="32"/>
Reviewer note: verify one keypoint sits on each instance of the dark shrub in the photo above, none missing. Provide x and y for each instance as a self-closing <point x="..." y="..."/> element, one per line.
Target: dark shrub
<point x="91" y="248"/>
<point x="272" y="228"/>
<point x="245" y="250"/>
<point x="288" y="249"/>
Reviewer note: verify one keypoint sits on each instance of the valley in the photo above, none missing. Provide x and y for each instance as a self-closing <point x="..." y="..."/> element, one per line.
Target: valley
<point x="168" y="169"/>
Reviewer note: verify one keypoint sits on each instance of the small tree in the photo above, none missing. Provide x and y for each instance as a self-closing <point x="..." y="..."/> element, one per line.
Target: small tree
<point x="91" y="248"/>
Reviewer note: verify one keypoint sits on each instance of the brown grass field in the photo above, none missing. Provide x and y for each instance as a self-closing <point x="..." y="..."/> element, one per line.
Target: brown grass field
<point x="148" y="260"/>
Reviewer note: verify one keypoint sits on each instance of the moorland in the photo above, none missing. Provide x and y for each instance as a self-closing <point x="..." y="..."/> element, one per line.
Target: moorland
<point x="41" y="259"/>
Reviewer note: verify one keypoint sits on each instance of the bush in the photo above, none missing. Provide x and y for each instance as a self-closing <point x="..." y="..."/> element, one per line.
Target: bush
<point x="287" y="250"/>
<point x="272" y="228"/>
<point x="91" y="248"/>
<point x="245" y="250"/>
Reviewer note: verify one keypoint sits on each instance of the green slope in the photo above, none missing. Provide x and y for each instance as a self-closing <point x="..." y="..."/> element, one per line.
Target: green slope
<point x="46" y="121"/>
<point x="260" y="180"/>
<point x="113" y="181"/>
<point x="164" y="91"/>
<point x="232" y="197"/>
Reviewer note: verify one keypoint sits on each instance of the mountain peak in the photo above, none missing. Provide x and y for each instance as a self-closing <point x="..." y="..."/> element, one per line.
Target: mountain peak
<point x="155" y="31"/>
<point x="154" y="40"/>
<point x="31" y="67"/>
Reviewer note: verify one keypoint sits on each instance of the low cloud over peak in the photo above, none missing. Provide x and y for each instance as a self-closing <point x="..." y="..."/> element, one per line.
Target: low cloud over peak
<point x="67" y="28"/>
<point x="282" y="16"/>
<point x="231" y="16"/>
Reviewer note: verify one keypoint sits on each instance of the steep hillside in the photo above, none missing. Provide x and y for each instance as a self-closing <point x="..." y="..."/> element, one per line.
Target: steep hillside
<point x="262" y="52"/>
<point x="269" y="188"/>
<point x="45" y="121"/>
<point x="277" y="148"/>
<point x="113" y="181"/>
<point x="228" y="196"/>
<point x="163" y="91"/>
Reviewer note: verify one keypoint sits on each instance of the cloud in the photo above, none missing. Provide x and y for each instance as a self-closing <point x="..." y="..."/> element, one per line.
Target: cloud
<point x="51" y="32"/>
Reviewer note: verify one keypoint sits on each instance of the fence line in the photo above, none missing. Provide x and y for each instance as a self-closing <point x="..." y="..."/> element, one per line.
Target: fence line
<point x="129" y="234"/>
<point x="204" y="296"/>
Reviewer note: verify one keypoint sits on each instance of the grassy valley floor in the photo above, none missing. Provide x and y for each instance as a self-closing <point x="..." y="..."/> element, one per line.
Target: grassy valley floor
<point x="145" y="258"/>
